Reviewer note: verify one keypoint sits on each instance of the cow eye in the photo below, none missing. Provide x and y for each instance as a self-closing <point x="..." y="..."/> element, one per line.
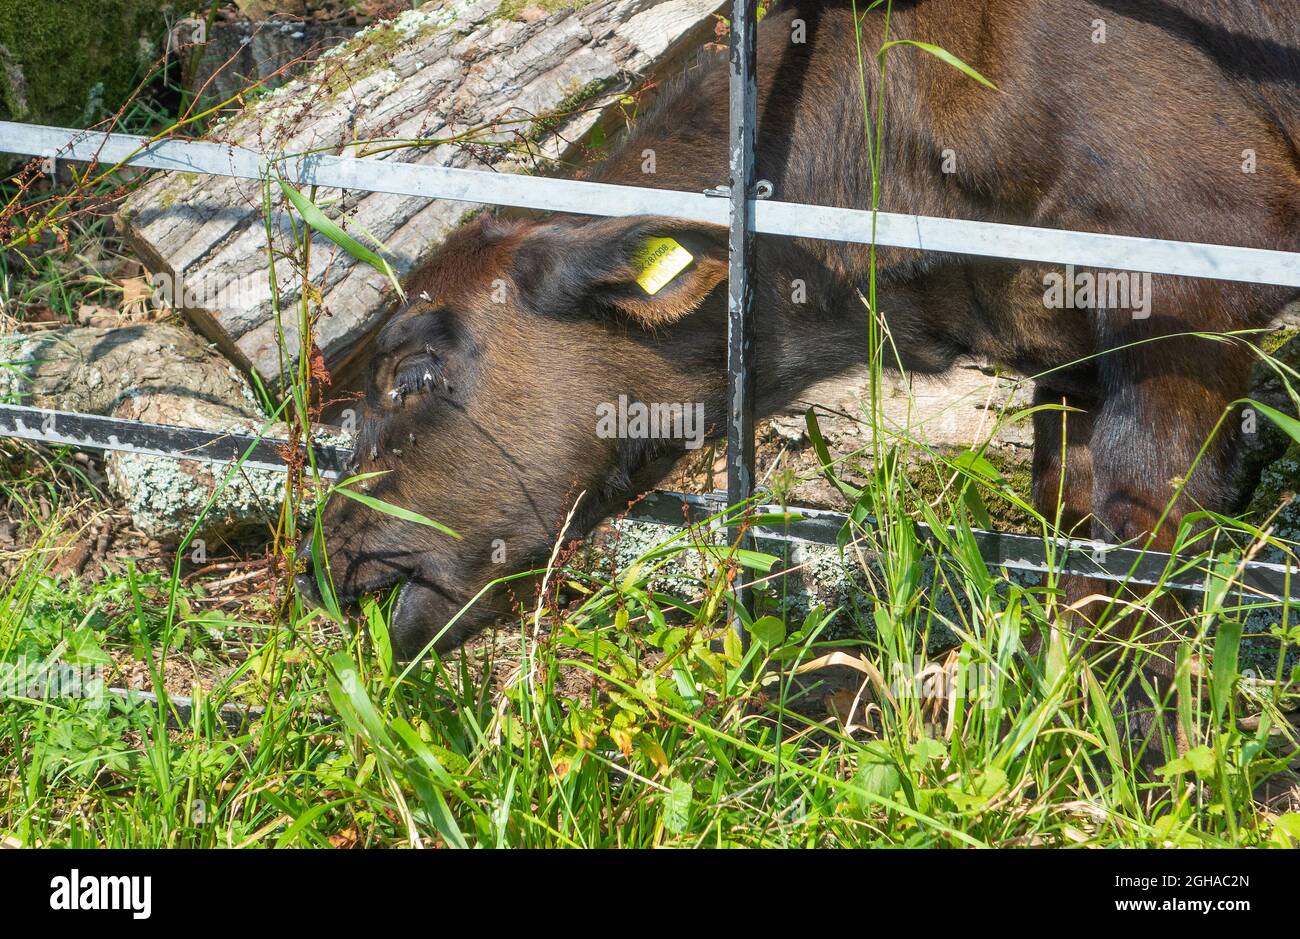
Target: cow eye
<point x="416" y="373"/>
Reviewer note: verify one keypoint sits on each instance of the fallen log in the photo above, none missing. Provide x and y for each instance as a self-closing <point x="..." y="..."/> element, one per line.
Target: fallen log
<point x="500" y="85"/>
<point x="163" y="374"/>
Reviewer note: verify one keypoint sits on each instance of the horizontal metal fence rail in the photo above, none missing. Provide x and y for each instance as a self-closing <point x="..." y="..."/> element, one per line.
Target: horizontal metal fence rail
<point x="237" y="718"/>
<point x="91" y="432"/>
<point x="999" y="550"/>
<point x="953" y="236"/>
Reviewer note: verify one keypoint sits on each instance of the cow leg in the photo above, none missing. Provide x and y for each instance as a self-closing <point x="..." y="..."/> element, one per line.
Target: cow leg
<point x="1063" y="460"/>
<point x="1063" y="485"/>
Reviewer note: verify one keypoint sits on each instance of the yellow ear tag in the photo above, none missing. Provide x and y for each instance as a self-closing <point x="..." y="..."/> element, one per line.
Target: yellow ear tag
<point x="658" y="262"/>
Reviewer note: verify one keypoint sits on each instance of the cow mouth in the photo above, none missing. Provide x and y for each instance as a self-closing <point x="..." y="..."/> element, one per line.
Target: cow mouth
<point x="350" y="601"/>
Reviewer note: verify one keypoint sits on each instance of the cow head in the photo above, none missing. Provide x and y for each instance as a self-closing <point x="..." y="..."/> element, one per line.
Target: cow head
<point x="489" y="401"/>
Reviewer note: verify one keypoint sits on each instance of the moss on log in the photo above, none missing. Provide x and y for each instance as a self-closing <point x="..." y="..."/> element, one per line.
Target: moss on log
<point x="69" y="63"/>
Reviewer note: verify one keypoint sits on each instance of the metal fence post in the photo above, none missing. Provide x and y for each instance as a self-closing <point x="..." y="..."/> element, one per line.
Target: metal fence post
<point x="740" y="256"/>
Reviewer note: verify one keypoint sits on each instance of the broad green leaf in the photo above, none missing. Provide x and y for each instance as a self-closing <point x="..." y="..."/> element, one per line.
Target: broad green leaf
<point x="1285" y="422"/>
<point x="320" y="222"/>
<point x="677" y="806"/>
<point x="1105" y="718"/>
<point x="83" y="648"/>
<point x="651" y="749"/>
<point x="396" y="511"/>
<point x="622" y="730"/>
<point x="378" y="626"/>
<point x="1227" y="644"/>
<point x="877" y="775"/>
<point x="943" y="55"/>
<point x="1290" y="824"/>
<point x="928" y="749"/>
<point x="852" y="493"/>
<point x="434" y="802"/>
<point x="421" y="750"/>
<point x="970" y="462"/>
<point x="772" y="518"/>
<point x="1198" y="760"/>
<point x="974" y="502"/>
<point x="768" y="631"/>
<point x="348" y="692"/>
<point x="321" y="572"/>
<point x="991" y="781"/>
<point x="732" y="650"/>
<point x="305" y="820"/>
<point x="884" y="625"/>
<point x="1057" y="658"/>
<point x="1201" y="760"/>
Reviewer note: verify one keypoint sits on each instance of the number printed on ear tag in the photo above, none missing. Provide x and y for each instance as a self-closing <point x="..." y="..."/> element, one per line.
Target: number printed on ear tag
<point x="658" y="262"/>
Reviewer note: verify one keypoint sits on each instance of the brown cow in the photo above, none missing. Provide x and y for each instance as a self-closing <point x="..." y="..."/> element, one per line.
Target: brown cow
<point x="1184" y="123"/>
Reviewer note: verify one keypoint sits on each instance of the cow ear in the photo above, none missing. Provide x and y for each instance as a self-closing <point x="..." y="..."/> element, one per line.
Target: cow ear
<point x="652" y="270"/>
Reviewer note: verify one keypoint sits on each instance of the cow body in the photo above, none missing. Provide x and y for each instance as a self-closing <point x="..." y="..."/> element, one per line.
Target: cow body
<point x="483" y="390"/>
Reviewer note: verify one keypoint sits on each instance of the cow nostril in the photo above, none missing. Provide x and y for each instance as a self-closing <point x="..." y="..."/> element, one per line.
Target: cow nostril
<point x="306" y="586"/>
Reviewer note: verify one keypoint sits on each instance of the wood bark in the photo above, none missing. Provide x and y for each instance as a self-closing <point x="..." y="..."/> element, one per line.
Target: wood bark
<point x="164" y="374"/>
